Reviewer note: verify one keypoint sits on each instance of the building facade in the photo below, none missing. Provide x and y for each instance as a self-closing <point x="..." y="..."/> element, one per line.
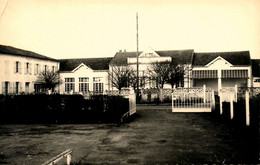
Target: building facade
<point x="256" y="72"/>
<point x="84" y="75"/>
<point x="147" y="58"/>
<point x="20" y="70"/>
<point x="222" y="69"/>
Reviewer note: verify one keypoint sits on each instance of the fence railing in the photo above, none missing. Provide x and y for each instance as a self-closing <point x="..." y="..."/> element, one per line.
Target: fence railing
<point x="60" y="156"/>
<point x="193" y="100"/>
<point x="232" y="94"/>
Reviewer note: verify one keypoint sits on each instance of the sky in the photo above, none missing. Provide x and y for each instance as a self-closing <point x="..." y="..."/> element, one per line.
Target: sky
<point x="99" y="28"/>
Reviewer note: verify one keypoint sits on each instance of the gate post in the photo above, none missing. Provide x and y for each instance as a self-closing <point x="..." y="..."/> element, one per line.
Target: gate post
<point x="235" y="93"/>
<point x="220" y="103"/>
<point x="172" y="102"/>
<point x="247" y="109"/>
<point x="204" y="93"/>
<point x="68" y="159"/>
<point x="231" y="106"/>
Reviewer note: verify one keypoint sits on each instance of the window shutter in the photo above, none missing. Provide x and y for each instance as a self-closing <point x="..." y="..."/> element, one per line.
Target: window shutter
<point x="3" y="87"/>
<point x="25" y="71"/>
<point x="10" y="87"/>
<point x="30" y="68"/>
<point x="39" y="69"/>
<point x="20" y="67"/>
<point x="21" y="86"/>
<point x="34" y="69"/>
<point x="14" y="87"/>
<point x="14" y="66"/>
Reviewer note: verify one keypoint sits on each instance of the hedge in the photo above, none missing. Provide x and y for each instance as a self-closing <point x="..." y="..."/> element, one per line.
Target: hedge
<point x="57" y="108"/>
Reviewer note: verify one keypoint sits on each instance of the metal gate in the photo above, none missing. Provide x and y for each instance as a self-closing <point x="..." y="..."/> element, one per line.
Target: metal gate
<point x="193" y="100"/>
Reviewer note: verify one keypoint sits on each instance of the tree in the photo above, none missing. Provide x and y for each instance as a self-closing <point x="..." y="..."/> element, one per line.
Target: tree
<point x="159" y="71"/>
<point x="49" y="79"/>
<point x="121" y="76"/>
<point x="176" y="74"/>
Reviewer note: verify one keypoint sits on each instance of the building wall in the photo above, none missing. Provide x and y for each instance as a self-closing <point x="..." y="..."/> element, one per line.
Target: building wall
<point x="9" y="75"/>
<point x="84" y="72"/>
<point x="233" y="82"/>
<point x="144" y="67"/>
<point x="213" y="83"/>
<point x="210" y="83"/>
<point x="256" y="81"/>
<point x="220" y="81"/>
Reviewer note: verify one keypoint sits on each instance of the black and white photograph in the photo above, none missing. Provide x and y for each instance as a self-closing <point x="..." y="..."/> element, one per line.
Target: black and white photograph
<point x="93" y="82"/>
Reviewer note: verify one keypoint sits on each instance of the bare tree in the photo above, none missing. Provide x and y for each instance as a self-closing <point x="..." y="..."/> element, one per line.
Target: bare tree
<point x="176" y="74"/>
<point x="49" y="79"/>
<point x="159" y="71"/>
<point x="166" y="72"/>
<point x="121" y="76"/>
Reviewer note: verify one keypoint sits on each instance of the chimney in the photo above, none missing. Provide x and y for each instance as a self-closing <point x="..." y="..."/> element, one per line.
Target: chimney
<point x="124" y="50"/>
<point x="120" y="51"/>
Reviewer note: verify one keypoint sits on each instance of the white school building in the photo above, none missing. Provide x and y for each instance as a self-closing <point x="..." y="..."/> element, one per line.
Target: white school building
<point x="19" y="70"/>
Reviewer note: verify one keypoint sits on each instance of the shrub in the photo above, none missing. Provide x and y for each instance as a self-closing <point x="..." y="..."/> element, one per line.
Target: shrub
<point x="42" y="108"/>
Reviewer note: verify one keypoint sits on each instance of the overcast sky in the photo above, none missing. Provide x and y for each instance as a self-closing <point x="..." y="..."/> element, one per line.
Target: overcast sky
<point x="91" y="28"/>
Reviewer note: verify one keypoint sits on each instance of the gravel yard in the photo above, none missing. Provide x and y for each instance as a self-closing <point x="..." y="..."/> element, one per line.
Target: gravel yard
<point x="151" y="137"/>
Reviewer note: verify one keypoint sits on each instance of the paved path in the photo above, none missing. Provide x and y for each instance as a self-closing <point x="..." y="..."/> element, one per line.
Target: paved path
<point x="152" y="137"/>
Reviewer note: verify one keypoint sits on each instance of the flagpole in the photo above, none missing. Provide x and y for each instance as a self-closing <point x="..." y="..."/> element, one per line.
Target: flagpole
<point x="137" y="56"/>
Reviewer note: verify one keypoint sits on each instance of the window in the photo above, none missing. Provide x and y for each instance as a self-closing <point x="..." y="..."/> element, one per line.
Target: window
<point x="69" y="84"/>
<point x="5" y="87"/>
<point x="53" y="68"/>
<point x="37" y="69"/>
<point x="45" y="68"/>
<point x="83" y="84"/>
<point x="17" y="66"/>
<point x="16" y="87"/>
<point x="27" y="87"/>
<point x="234" y="73"/>
<point x="257" y="80"/>
<point x="27" y="67"/>
<point x="204" y="74"/>
<point x="97" y="85"/>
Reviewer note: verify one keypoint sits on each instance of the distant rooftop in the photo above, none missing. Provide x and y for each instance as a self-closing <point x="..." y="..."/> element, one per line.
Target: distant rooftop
<point x="181" y="56"/>
<point x="256" y="67"/>
<point x="235" y="58"/>
<point x="93" y="63"/>
<point x="20" y="52"/>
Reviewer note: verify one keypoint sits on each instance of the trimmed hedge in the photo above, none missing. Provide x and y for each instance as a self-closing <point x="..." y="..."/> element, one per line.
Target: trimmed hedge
<point x="61" y="109"/>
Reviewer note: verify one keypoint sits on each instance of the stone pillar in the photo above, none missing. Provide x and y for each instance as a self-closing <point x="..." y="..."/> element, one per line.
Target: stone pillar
<point x="219" y="81"/>
<point x="231" y="106"/>
<point x="76" y="84"/>
<point x="247" y="109"/>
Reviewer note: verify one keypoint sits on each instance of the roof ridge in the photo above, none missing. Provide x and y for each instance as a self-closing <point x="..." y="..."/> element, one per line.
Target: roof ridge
<point x="84" y="58"/>
<point x="176" y="50"/>
<point x="7" y="49"/>
<point x="222" y="52"/>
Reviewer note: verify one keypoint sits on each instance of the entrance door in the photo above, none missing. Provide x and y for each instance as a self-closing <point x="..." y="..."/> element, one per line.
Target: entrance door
<point x="6" y="87"/>
<point x="27" y="87"/>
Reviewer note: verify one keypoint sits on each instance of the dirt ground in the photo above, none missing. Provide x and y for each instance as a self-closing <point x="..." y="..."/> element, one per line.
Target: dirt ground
<point x="152" y="136"/>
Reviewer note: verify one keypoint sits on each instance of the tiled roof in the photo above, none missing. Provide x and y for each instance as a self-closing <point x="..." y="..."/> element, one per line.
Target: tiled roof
<point x="235" y="58"/>
<point x="181" y="56"/>
<point x="256" y="67"/>
<point x="20" y="52"/>
<point x="120" y="58"/>
<point x="93" y="63"/>
<point x="178" y="56"/>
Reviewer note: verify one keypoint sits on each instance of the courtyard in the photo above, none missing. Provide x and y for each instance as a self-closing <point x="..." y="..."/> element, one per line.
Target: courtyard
<point x="153" y="135"/>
